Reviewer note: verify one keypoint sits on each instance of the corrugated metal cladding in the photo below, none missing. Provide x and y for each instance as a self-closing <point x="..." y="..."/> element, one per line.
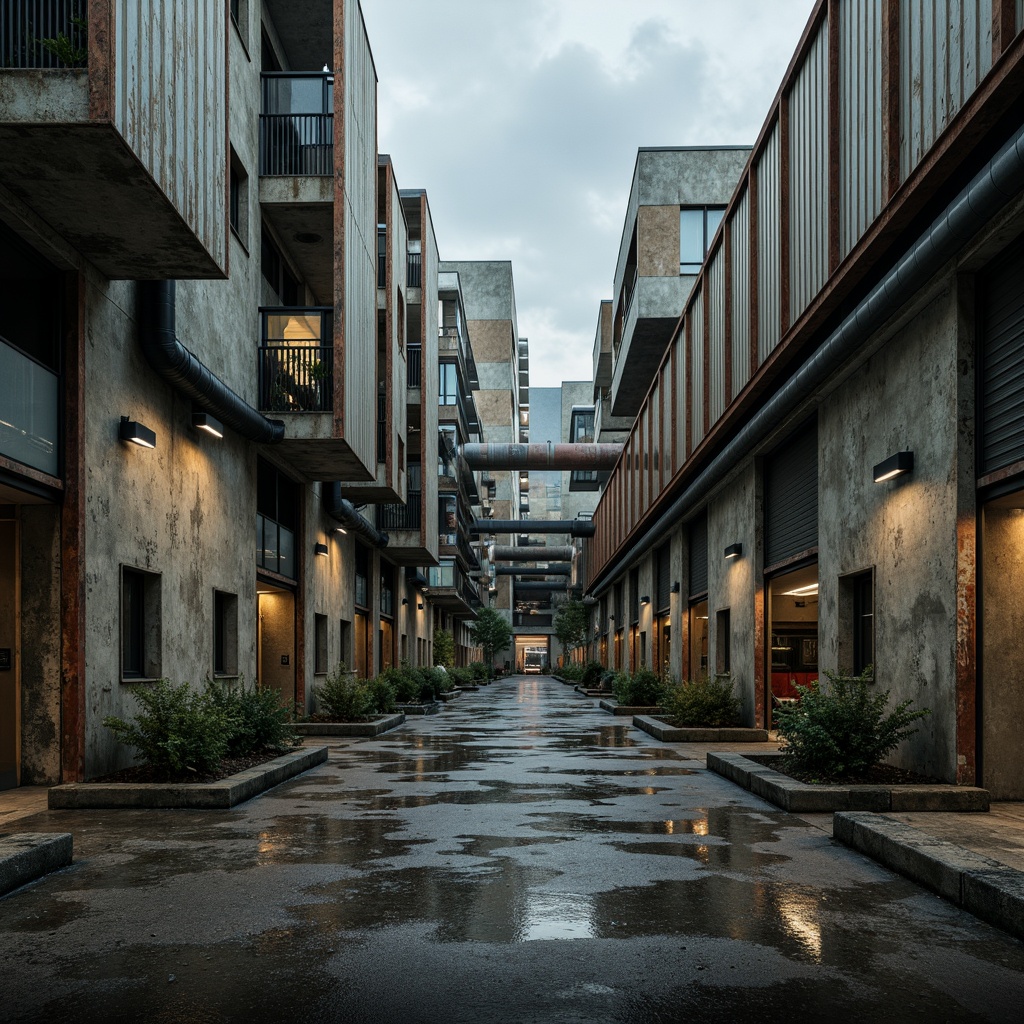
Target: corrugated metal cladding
<point x="948" y="45"/>
<point x="680" y="410"/>
<point x="768" y="277"/>
<point x="698" y="557"/>
<point x="716" y="324"/>
<point x="1020" y="15"/>
<point x="663" y="577"/>
<point x="860" y="119"/>
<point x="791" y="495"/>
<point x="1002" y="364"/>
<point x="697" y="368"/>
<point x="808" y="177"/>
<point x="360" y="238"/>
<point x="739" y="228"/>
<point x="657" y="422"/>
<point x="170" y="104"/>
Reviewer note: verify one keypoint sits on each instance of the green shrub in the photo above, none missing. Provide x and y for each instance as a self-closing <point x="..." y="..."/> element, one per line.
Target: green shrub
<point x="382" y="693"/>
<point x="405" y="681"/>
<point x="343" y="697"/>
<point x="460" y="677"/>
<point x="573" y="671"/>
<point x="643" y="688"/>
<point x="705" y="702"/>
<point x="479" y="670"/>
<point x="592" y="672"/>
<point x="257" y="718"/>
<point x="177" y="730"/>
<point x="842" y="728"/>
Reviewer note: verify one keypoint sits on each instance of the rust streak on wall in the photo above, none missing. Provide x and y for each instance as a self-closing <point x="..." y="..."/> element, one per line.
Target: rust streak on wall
<point x="727" y="314"/>
<point x="833" y="136"/>
<point x="752" y="260"/>
<point x="101" y="60"/>
<point x="1004" y="17"/>
<point x="706" y="341"/>
<point x="966" y="649"/>
<point x="890" y="98"/>
<point x="72" y="539"/>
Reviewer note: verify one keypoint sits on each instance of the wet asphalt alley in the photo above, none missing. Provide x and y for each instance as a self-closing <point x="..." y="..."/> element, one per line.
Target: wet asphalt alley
<point x="519" y="857"/>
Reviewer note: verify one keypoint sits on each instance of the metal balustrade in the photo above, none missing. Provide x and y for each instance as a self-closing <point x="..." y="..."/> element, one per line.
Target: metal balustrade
<point x="297" y="125"/>
<point x="296" y="359"/>
<point x="413" y="366"/>
<point x="43" y="34"/>
<point x="400" y="517"/>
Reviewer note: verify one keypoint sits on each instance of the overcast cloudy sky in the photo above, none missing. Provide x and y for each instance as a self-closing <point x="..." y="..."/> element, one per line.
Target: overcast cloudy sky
<point x="522" y="118"/>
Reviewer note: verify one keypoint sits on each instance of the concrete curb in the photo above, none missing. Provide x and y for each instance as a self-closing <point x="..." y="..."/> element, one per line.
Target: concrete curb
<point x="693" y="734"/>
<point x="420" y="709"/>
<point x="26" y="856"/>
<point x="802" y="798"/>
<point x="448" y="695"/>
<point x="235" y="789"/>
<point x="984" y="887"/>
<point x="374" y="728"/>
<point x="624" y="709"/>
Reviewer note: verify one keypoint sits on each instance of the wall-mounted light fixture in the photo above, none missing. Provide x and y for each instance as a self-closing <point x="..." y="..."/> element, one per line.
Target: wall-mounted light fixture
<point x="341" y="529"/>
<point x="129" y="430"/>
<point x="320" y="549"/>
<point x="895" y="465"/>
<point x="419" y="605"/>
<point x="734" y="551"/>
<point x="204" y="421"/>
<point x="674" y="589"/>
<point x="645" y="599"/>
<point x="405" y="600"/>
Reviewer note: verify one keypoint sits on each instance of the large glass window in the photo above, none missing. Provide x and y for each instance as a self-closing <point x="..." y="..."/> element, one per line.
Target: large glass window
<point x="140" y="624"/>
<point x="697" y="226"/>
<point x="225" y="634"/>
<point x="277" y="513"/>
<point x="449" y="384"/>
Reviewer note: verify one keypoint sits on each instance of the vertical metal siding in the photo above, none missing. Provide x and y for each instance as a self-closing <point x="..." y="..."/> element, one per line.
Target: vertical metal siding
<point x="739" y="228"/>
<point x="945" y="50"/>
<point x="656" y="445"/>
<point x="697" y="368"/>
<point x="682" y="400"/>
<point x="360" y="101"/>
<point x="791" y="495"/>
<point x="768" y="250"/>
<point x="170" y="105"/>
<point x="1001" y="417"/>
<point x="808" y="177"/>
<point x="716" y="318"/>
<point x="429" y="378"/>
<point x="860" y="119"/>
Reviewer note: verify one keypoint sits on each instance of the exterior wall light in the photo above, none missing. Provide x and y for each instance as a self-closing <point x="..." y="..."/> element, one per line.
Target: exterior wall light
<point x="674" y="589"/>
<point x="645" y="599"/>
<point x="320" y="549"/>
<point x="405" y="600"/>
<point x="341" y="529"/>
<point x="129" y="430"/>
<point x="734" y="551"/>
<point x="419" y="605"/>
<point x="895" y="465"/>
<point x="204" y="421"/>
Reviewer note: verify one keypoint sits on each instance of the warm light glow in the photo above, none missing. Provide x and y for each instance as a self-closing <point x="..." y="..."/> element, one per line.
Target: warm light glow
<point x="809" y="591"/>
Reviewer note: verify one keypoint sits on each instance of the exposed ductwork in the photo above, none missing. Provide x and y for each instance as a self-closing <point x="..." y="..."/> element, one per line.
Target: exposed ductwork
<point x="999" y="181"/>
<point x="555" y="569"/>
<point x="503" y="553"/>
<point x="534" y="586"/>
<point x="186" y="374"/>
<point x="344" y="512"/>
<point x="541" y="456"/>
<point x="573" y="527"/>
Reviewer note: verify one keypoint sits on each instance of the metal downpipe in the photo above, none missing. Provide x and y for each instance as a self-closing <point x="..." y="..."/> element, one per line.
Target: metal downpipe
<point x="344" y="512"/>
<point x="999" y="181"/>
<point x="184" y="372"/>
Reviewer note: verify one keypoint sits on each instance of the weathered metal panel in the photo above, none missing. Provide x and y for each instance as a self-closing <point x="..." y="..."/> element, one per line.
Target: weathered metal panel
<point x="655" y="439"/>
<point x="716" y="337"/>
<point x="429" y="384"/>
<point x="360" y="313"/>
<point x="945" y="51"/>
<point x="739" y="228"/>
<point x="696" y="395"/>
<point x="170" y="105"/>
<point x="860" y="118"/>
<point x="769" y="279"/>
<point x="1020" y="15"/>
<point x="808" y="177"/>
<point x="682" y="404"/>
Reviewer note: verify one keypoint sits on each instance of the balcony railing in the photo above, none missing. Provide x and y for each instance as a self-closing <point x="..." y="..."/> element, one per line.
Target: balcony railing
<point x="414" y="366"/>
<point x="43" y="34"/>
<point x="382" y="428"/>
<point x="414" y="275"/>
<point x="400" y="517"/>
<point x="296" y="359"/>
<point x="29" y="411"/>
<point x="297" y="124"/>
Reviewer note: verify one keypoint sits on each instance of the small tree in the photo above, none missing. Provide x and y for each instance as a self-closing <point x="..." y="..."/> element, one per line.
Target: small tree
<point x="571" y="625"/>
<point x="444" y="648"/>
<point x="492" y="633"/>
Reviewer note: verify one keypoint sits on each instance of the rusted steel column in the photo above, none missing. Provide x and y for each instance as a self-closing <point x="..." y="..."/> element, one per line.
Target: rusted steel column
<point x="541" y="456"/>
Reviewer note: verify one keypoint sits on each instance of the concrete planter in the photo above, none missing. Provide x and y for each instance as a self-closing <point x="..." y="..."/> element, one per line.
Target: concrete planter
<point x="449" y="695"/>
<point x="660" y="730"/>
<point x="802" y="797"/>
<point x="384" y="723"/>
<point x="235" y="789"/>
<point x="420" y="709"/>
<point x="26" y="856"/>
<point x="625" y="709"/>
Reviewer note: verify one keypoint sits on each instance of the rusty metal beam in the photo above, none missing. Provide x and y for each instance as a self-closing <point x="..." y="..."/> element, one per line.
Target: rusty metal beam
<point x="507" y="553"/>
<point x="541" y="456"/>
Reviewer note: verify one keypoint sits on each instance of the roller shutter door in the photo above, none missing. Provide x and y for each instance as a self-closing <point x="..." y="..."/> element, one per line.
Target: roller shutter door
<point x="791" y="495"/>
<point x="698" y="557"/>
<point x="663" y="591"/>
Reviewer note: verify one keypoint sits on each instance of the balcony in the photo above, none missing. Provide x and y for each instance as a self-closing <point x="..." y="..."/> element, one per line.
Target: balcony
<point x="297" y="125"/>
<point x="136" y="184"/>
<point x="414" y="366"/>
<point x="414" y="275"/>
<point x="448" y="588"/>
<point x="296" y="359"/>
<point x="401" y="517"/>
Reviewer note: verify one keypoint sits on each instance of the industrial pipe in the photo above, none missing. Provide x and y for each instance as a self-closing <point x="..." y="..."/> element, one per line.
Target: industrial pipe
<point x="541" y="456"/>
<point x="534" y="586"/>
<point x="184" y="372"/>
<point x="344" y="512"/>
<point x="999" y="181"/>
<point x="504" y="553"/>
<point x="556" y="569"/>
<point x="573" y="527"/>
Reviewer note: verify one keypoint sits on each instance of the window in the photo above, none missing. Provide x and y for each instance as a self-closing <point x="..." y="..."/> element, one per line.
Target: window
<point x="140" y="624"/>
<point x="448" y="384"/>
<point x="446" y="440"/>
<point x="277" y="513"/>
<point x="276" y="272"/>
<point x="387" y="590"/>
<point x="857" y="622"/>
<point x="225" y="634"/>
<point x="345" y="638"/>
<point x="382" y="255"/>
<point x="320" y="644"/>
<point x="238" y="196"/>
<point x="697" y="226"/>
<point x="362" y="597"/>
<point x="698" y="640"/>
<point x="723" y="643"/>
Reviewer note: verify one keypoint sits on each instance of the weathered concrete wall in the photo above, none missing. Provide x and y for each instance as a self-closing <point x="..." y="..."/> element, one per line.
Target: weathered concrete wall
<point x="904" y="398"/>
<point x="493" y="342"/>
<point x="657" y="241"/>
<point x="731" y="520"/>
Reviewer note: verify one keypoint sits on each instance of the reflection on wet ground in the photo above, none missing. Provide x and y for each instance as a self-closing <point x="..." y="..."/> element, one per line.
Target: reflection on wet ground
<point x="517" y="858"/>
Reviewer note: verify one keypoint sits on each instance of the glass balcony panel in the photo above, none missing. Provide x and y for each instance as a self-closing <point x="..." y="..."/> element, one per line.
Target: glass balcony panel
<point x="29" y="411"/>
<point x="287" y="559"/>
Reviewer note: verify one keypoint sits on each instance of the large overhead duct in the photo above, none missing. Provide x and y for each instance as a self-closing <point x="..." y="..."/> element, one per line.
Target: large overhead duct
<point x="535" y="586"/>
<point x="541" y="456"/>
<point x="344" y="512"/>
<point x="573" y="527"/>
<point x="999" y="181"/>
<point x="503" y="553"/>
<point x="556" y="569"/>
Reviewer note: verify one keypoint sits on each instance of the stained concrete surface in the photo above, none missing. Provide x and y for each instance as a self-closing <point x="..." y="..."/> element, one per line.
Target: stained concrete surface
<point x="518" y="858"/>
